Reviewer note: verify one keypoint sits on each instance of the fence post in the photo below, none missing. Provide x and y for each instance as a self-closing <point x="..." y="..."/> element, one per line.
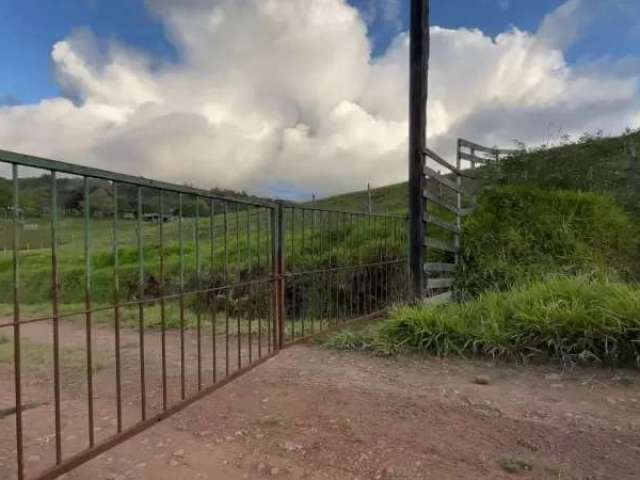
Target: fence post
<point x="281" y="285"/>
<point x="277" y="250"/>
<point x="418" y="93"/>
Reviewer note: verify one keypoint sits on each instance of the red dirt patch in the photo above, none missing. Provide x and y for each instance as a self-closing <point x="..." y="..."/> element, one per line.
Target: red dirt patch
<point x="316" y="414"/>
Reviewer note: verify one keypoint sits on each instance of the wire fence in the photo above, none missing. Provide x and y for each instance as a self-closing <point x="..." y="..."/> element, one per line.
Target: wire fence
<point x="126" y="299"/>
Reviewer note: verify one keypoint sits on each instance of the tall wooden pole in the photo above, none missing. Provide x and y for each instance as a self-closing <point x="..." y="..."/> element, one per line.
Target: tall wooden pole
<point x="418" y="91"/>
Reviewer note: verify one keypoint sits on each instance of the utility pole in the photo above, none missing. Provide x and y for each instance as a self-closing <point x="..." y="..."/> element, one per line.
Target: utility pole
<point x="418" y="93"/>
<point x="369" y="197"/>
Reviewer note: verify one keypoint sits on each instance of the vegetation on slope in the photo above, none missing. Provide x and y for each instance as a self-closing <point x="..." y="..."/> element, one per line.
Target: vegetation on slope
<point x="591" y="164"/>
<point x="564" y="318"/>
<point x="519" y="234"/>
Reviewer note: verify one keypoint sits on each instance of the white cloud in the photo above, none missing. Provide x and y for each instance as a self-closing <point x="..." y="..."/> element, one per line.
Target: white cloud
<point x="273" y="93"/>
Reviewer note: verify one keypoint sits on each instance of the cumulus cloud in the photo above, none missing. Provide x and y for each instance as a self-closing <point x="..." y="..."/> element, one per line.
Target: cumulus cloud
<point x="273" y="95"/>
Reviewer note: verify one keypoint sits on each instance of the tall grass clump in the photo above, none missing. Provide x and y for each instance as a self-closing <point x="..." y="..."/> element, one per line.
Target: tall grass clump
<point x="521" y="234"/>
<point x="571" y="319"/>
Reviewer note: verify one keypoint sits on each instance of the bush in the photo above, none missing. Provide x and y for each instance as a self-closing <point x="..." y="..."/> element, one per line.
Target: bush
<point x="571" y="319"/>
<point x="522" y="234"/>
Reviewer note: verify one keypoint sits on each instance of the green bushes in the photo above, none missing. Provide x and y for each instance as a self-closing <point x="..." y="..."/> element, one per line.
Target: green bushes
<point x="564" y="318"/>
<point x="522" y="234"/>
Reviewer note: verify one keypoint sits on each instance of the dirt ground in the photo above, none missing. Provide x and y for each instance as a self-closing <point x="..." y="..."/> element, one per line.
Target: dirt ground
<point x="314" y="414"/>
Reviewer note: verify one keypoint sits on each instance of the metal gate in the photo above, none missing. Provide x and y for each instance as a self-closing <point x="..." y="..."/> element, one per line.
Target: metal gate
<point x="127" y="299"/>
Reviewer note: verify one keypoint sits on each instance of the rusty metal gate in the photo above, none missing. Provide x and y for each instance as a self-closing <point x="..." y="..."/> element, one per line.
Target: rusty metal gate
<point x="126" y="299"/>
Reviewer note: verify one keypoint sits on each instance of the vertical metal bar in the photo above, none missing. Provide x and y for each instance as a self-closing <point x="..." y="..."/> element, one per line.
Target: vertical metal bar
<point x="116" y="307"/>
<point x="181" y="267"/>
<point x="304" y="298"/>
<point x="226" y="283"/>
<point x="16" y="323"/>
<point x="198" y="295"/>
<point x="213" y="293"/>
<point x="369" y="270"/>
<point x="163" y="306"/>
<point x="291" y="319"/>
<point x="458" y="202"/>
<point x="55" y="294"/>
<point x="143" y="387"/>
<point x="271" y="324"/>
<point x="386" y="258"/>
<point x="87" y="292"/>
<point x="419" y="64"/>
<point x="238" y="270"/>
<point x="281" y="271"/>
<point x="259" y="243"/>
<point x="351" y="252"/>
<point x="250" y="270"/>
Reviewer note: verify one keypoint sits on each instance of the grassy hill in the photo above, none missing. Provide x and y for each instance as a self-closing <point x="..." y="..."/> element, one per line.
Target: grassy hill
<point x="591" y="164"/>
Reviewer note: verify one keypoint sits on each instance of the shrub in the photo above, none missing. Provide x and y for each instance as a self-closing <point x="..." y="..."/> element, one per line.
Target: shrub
<point x="565" y="318"/>
<point x="522" y="234"/>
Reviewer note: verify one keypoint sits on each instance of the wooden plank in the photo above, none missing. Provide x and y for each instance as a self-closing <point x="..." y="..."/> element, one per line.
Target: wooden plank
<point x="437" y="199"/>
<point x="439" y="267"/>
<point x="440" y="299"/>
<point x="433" y="175"/>
<point x="432" y="220"/>
<point x="438" y="159"/>
<point x="435" y="283"/>
<point x="492" y="151"/>
<point x="440" y="245"/>
<point x="462" y="212"/>
<point x="474" y="158"/>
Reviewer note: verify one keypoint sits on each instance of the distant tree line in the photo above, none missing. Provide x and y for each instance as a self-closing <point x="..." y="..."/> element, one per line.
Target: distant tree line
<point x="35" y="198"/>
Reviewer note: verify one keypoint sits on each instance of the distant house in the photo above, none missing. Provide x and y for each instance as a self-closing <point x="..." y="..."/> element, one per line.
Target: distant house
<point x="157" y="218"/>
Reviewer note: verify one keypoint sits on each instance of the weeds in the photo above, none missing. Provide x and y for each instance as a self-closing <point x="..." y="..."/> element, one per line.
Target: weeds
<point x="571" y="319"/>
<point x="522" y="234"/>
<point x="515" y="466"/>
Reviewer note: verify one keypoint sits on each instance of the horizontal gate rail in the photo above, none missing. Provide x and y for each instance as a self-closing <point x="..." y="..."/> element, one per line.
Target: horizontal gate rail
<point x="437" y="283"/>
<point x="439" y="267"/>
<point x="436" y="176"/>
<point x="451" y="227"/>
<point x="440" y="245"/>
<point x="90" y="172"/>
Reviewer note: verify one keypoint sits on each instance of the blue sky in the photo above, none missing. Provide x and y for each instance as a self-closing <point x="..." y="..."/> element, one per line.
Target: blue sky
<point x="29" y="28"/>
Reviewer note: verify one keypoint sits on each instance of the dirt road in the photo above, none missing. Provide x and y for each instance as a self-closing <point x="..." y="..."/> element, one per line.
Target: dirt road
<point x="316" y="414"/>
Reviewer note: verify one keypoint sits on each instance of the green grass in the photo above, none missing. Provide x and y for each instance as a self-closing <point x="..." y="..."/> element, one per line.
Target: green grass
<point x="520" y="234"/>
<point x="323" y="243"/>
<point x="571" y="319"/>
<point x="515" y="466"/>
<point x="589" y="164"/>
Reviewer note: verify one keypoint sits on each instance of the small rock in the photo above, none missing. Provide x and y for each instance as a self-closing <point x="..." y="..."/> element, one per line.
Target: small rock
<point x="34" y="458"/>
<point x="274" y="471"/>
<point x="178" y="453"/>
<point x="554" y="377"/>
<point x="291" y="447"/>
<point x="482" y="380"/>
<point x="261" y="468"/>
<point x="173" y="462"/>
<point x="557" y="385"/>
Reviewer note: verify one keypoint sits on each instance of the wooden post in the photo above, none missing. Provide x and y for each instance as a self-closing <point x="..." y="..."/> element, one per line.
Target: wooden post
<point x="369" y="198"/>
<point x="418" y="93"/>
